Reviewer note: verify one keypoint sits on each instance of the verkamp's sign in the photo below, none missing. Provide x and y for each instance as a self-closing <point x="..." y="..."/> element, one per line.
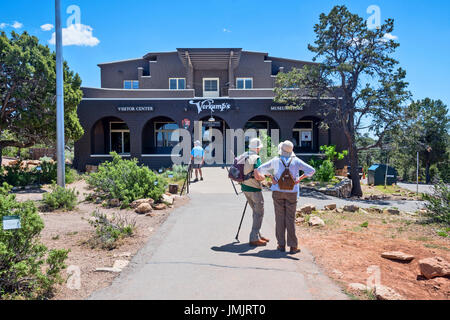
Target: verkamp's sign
<point x="135" y="109"/>
<point x="210" y="106"/>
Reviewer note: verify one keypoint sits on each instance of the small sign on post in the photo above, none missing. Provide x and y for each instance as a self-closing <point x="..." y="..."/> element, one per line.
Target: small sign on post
<point x="11" y="222"/>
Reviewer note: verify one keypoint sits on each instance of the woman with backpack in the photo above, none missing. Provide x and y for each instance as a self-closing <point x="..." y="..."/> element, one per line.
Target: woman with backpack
<point x="285" y="177"/>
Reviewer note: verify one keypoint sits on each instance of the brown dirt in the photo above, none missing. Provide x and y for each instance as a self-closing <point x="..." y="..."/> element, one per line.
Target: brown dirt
<point x="393" y="193"/>
<point x="345" y="250"/>
<point x="69" y="230"/>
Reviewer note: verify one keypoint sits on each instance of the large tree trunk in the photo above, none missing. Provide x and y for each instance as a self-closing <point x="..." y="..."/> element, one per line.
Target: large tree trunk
<point x="354" y="172"/>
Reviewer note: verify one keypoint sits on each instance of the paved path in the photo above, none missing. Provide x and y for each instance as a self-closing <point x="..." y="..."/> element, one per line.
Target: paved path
<point x="193" y="255"/>
<point x="423" y="188"/>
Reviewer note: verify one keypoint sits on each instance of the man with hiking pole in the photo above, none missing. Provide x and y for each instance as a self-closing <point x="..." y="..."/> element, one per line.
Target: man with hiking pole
<point x="284" y="170"/>
<point x="252" y="189"/>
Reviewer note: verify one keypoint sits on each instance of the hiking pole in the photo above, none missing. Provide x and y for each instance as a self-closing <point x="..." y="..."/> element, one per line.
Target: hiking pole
<point x="189" y="177"/>
<point x="243" y="214"/>
<point x="186" y="181"/>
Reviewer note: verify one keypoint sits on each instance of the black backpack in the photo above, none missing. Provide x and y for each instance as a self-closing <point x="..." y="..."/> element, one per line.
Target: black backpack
<point x="236" y="172"/>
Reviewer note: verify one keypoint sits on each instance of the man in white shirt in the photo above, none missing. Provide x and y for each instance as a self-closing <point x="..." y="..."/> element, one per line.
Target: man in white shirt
<point x="197" y="159"/>
<point x="285" y="201"/>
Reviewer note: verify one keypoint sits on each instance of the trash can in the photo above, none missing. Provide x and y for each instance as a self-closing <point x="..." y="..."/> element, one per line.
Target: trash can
<point x="376" y="173"/>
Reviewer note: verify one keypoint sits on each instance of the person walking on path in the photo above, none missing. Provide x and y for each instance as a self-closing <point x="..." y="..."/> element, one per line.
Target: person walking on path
<point x="285" y="177"/>
<point x="197" y="159"/>
<point x="252" y="190"/>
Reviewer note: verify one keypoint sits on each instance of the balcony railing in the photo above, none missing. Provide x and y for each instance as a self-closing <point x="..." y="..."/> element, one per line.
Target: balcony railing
<point x="251" y="93"/>
<point x="138" y="93"/>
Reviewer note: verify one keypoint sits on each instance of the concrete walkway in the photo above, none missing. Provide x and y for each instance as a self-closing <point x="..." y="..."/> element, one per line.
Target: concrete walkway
<point x="193" y="255"/>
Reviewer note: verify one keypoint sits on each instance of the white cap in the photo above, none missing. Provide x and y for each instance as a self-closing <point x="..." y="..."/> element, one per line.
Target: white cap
<point x="255" y="143"/>
<point x="197" y="143"/>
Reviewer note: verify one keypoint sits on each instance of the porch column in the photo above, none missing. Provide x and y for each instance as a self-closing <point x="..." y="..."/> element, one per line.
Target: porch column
<point x="190" y="72"/>
<point x="231" y="72"/>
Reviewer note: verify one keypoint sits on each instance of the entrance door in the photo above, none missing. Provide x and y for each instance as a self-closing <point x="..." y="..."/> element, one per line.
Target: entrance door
<point x="211" y="87"/>
<point x="220" y="125"/>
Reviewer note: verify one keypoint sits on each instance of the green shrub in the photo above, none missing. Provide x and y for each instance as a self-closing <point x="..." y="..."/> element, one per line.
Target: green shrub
<point x="109" y="231"/>
<point x="325" y="172"/>
<point x="331" y="153"/>
<point x="17" y="177"/>
<point x="23" y="257"/>
<point x="178" y="172"/>
<point x="60" y="198"/>
<point x="49" y="172"/>
<point x="126" y="180"/>
<point x="325" y="169"/>
<point x="438" y="203"/>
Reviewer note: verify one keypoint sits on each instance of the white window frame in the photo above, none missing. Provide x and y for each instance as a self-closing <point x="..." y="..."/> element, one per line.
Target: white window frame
<point x="241" y="78"/>
<point x="178" y="88"/>
<point x="123" y="140"/>
<point x="156" y="131"/>
<point x="211" y="94"/>
<point x="132" y="83"/>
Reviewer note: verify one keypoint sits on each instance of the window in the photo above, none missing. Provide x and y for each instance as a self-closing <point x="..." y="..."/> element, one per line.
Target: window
<point x="163" y="134"/>
<point x="244" y="83"/>
<point x="303" y="135"/>
<point x="119" y="137"/>
<point x="177" y="83"/>
<point x="211" y="87"/>
<point x="131" y="84"/>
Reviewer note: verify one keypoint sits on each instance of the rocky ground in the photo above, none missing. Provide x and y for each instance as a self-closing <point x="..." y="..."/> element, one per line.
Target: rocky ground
<point x="352" y="248"/>
<point x="70" y="230"/>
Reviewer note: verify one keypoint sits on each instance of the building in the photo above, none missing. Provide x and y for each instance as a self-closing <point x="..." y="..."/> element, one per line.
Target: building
<point x="141" y="101"/>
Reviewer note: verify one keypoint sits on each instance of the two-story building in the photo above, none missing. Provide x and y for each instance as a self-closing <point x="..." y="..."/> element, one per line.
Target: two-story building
<point x="141" y="101"/>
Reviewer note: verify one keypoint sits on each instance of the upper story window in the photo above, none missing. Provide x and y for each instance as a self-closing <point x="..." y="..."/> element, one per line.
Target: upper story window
<point x="131" y="84"/>
<point x="177" y="83"/>
<point x="244" y="83"/>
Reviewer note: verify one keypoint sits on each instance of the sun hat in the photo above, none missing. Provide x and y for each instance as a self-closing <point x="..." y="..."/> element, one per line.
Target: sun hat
<point x="255" y="143"/>
<point x="286" y="149"/>
<point x="197" y="143"/>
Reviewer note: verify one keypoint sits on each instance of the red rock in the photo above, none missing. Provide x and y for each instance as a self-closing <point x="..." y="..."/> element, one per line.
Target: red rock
<point x="434" y="267"/>
<point x="397" y="255"/>
<point x="385" y="293"/>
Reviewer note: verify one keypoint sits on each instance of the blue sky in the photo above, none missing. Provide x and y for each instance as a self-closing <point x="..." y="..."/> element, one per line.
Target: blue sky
<point x="116" y="30"/>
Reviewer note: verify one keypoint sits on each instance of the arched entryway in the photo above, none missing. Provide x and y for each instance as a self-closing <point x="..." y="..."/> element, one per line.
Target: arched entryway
<point x="208" y="123"/>
<point x="263" y="123"/>
<point x="305" y="135"/>
<point x="110" y="134"/>
<point x="157" y="136"/>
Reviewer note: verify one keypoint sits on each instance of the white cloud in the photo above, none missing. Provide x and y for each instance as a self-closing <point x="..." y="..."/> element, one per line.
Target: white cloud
<point x="77" y="35"/>
<point x="226" y="30"/>
<point x="390" y="36"/>
<point x="3" y="25"/>
<point x="47" y="27"/>
<point x="17" y="25"/>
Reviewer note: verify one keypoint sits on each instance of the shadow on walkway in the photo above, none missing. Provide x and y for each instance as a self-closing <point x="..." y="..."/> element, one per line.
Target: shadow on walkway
<point x="243" y="248"/>
<point x="270" y="254"/>
<point x="234" y="247"/>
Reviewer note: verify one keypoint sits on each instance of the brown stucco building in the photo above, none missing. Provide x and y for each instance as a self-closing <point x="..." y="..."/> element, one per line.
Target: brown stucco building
<point x="141" y="101"/>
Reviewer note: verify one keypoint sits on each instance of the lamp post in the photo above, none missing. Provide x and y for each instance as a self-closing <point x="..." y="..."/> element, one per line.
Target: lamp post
<point x="61" y="180"/>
